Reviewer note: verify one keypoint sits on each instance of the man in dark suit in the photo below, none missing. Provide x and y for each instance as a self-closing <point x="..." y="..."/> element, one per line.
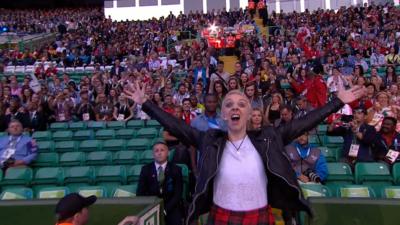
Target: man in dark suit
<point x="163" y="179"/>
<point x="117" y="69"/>
<point x="37" y="120"/>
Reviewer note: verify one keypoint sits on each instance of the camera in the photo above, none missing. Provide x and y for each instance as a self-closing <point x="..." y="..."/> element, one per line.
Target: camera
<point x="312" y="176"/>
<point x="8" y="162"/>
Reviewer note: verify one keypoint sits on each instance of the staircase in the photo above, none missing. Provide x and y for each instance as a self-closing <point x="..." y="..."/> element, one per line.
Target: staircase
<point x="229" y="63"/>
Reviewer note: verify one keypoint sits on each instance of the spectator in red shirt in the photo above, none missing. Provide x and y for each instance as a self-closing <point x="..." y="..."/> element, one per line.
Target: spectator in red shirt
<point x="314" y="87"/>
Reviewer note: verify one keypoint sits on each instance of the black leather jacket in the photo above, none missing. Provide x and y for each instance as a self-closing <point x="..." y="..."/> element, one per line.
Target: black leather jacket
<point x="283" y="189"/>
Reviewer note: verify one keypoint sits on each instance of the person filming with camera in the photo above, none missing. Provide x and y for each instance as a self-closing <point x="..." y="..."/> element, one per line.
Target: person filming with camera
<point x="358" y="136"/>
<point x="307" y="161"/>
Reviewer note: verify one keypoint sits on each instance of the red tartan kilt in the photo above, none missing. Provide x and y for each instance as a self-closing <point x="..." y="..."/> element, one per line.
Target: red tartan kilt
<point x="221" y="216"/>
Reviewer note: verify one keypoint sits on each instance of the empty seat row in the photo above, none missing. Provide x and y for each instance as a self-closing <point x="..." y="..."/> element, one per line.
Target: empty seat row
<point x="350" y="191"/>
<point x="97" y="125"/>
<point x="56" y="192"/>
<point x="97" y="145"/>
<point x="49" y="159"/>
<point x="103" y="134"/>
<point x="375" y="175"/>
<point x="75" y="176"/>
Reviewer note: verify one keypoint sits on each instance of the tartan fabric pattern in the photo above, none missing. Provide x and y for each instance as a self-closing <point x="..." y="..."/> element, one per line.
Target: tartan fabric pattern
<point x="220" y="216"/>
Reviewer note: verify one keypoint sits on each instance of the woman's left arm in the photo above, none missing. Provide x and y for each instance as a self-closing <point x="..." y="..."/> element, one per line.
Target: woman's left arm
<point x="298" y="126"/>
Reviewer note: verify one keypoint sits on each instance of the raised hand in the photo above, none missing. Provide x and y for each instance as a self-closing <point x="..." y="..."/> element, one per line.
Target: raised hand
<point x="352" y="94"/>
<point x="138" y="94"/>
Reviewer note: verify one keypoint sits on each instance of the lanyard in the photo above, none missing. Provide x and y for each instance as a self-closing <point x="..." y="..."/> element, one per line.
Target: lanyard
<point x="308" y="152"/>
<point x="396" y="144"/>
<point x="16" y="142"/>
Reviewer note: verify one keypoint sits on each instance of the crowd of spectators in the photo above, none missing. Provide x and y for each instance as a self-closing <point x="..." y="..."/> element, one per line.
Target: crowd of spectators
<point x="306" y="58"/>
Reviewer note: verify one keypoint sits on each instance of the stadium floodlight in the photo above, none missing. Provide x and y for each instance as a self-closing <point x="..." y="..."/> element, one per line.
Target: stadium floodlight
<point x="213" y="28"/>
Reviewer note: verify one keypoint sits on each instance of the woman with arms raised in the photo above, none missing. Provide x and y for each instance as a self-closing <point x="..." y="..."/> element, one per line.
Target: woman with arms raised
<point x="242" y="172"/>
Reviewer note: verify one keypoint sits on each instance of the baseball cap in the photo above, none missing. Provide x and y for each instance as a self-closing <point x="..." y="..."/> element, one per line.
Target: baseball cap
<point x="71" y="204"/>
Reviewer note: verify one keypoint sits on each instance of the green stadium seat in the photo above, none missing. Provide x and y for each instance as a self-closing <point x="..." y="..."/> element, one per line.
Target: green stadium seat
<point x="153" y="123"/>
<point x="334" y="142"/>
<point x="42" y="135"/>
<point x="81" y="135"/>
<point x="111" y="174"/>
<point x="322" y="129"/>
<point x="146" y="157"/>
<point x="51" y="192"/>
<point x="372" y="172"/>
<point x="114" y="145"/>
<point x="79" y="174"/>
<point x="116" y="124"/>
<point x="46" y="159"/>
<point x="90" y="145"/>
<point x="375" y="175"/>
<point x="59" y="126"/>
<point x="98" y="191"/>
<point x="126" y="157"/>
<point x="49" y="175"/>
<point x="17" y="176"/>
<point x="396" y="173"/>
<point x="109" y="186"/>
<point x="136" y="124"/>
<point x="96" y="125"/>
<point x="185" y="172"/>
<point x="62" y="135"/>
<point x="105" y="134"/>
<point x="99" y="158"/>
<point x="339" y="173"/>
<point x="125" y="191"/>
<point x="331" y="154"/>
<point x="66" y="146"/>
<point x="74" y="126"/>
<point x="315" y="140"/>
<point x="72" y="159"/>
<point x="125" y="133"/>
<point x="147" y="133"/>
<point x="390" y="192"/>
<point x="355" y="191"/>
<point x="133" y="174"/>
<point x="138" y="144"/>
<point x="315" y="190"/>
<point x="17" y="193"/>
<point x="45" y="146"/>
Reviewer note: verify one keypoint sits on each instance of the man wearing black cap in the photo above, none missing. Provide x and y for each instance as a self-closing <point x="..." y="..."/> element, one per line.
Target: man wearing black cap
<point x="73" y="209"/>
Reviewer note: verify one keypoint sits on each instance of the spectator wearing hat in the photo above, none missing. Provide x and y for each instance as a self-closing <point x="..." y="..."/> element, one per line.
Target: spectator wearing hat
<point x="73" y="209"/>
<point x="358" y="136"/>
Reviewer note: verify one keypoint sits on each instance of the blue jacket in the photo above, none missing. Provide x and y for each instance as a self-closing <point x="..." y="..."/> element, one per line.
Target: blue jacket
<point x="26" y="150"/>
<point x="321" y="168"/>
